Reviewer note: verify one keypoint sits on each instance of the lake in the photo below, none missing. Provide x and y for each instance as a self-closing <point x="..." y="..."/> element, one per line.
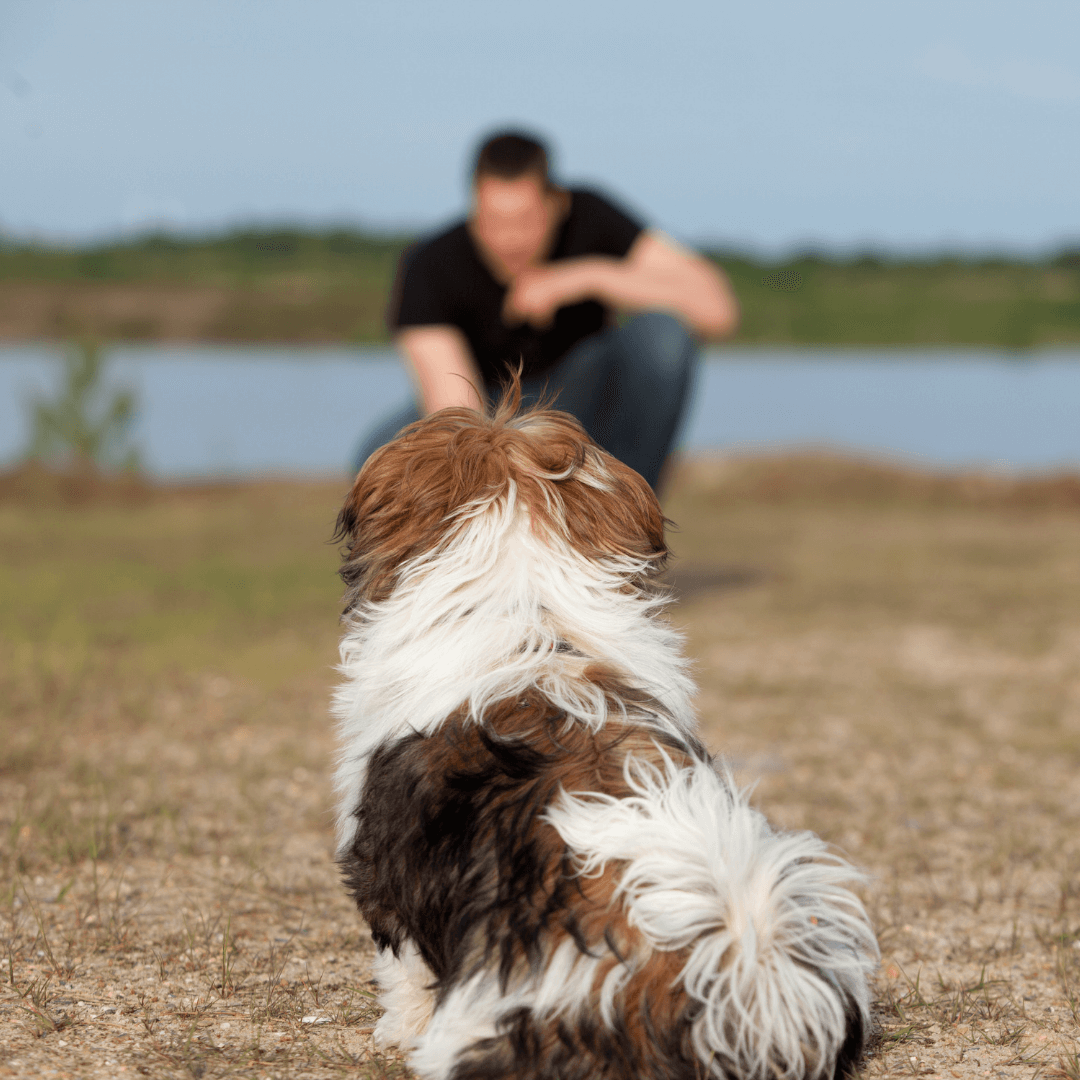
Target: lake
<point x="235" y="411"/>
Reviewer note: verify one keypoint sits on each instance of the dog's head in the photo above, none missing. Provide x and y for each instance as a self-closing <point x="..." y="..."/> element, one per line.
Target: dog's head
<point x="414" y="493"/>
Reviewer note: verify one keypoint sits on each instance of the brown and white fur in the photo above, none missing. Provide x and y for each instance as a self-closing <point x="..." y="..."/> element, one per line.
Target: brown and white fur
<point x="560" y="881"/>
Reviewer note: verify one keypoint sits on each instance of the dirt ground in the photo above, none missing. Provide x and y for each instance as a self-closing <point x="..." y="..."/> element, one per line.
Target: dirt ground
<point x="893" y="659"/>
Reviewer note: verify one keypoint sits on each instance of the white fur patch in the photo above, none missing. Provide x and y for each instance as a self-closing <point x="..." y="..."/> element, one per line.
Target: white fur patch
<point x="479" y="620"/>
<point x="472" y="1010"/>
<point x="776" y="936"/>
<point x="405" y="993"/>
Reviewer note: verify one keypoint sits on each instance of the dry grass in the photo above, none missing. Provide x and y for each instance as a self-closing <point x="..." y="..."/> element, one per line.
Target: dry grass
<point x="899" y="663"/>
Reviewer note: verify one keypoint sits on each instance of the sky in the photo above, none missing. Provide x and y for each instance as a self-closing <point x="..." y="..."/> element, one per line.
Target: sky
<point x="909" y="127"/>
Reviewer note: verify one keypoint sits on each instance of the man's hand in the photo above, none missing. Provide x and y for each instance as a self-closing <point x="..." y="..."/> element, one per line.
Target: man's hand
<point x="656" y="273"/>
<point x="538" y="292"/>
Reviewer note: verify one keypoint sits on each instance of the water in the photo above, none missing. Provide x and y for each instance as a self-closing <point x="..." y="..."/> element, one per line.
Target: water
<point x="229" y="411"/>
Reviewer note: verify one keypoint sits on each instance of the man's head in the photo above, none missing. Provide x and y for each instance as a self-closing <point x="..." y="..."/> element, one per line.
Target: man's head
<point x="516" y="207"/>
<point x="510" y="155"/>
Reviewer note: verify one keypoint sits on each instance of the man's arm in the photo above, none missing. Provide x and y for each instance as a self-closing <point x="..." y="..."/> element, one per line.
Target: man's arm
<point x="656" y="273"/>
<point x="442" y="367"/>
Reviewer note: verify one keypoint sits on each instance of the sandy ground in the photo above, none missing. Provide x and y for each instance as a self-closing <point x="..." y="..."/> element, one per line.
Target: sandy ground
<point x="897" y="668"/>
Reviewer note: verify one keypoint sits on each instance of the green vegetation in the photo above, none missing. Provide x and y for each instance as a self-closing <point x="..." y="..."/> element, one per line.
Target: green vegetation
<point x="279" y="285"/>
<point x="948" y="301"/>
<point x="291" y="285"/>
<point x="86" y="427"/>
<point x="236" y="580"/>
<point x="236" y="259"/>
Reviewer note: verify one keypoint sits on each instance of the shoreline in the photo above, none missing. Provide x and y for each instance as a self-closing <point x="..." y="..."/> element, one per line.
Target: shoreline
<point x="744" y="478"/>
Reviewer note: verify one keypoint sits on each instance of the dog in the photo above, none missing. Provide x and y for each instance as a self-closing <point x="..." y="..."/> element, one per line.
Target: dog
<point x="559" y="880"/>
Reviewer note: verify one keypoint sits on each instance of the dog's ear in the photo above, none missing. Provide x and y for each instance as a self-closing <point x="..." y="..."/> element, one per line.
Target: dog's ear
<point x="623" y="517"/>
<point x="600" y="506"/>
<point x="347" y="532"/>
<point x="348" y="517"/>
<point x="403" y="499"/>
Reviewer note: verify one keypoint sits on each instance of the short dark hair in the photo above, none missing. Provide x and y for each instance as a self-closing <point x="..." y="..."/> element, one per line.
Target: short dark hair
<point x="510" y="155"/>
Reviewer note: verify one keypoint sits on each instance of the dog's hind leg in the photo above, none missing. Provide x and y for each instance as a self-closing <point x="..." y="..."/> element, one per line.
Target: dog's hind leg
<point x="406" y="993"/>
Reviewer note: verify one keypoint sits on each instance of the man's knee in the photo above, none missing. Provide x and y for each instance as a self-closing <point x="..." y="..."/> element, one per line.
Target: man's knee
<point x="385" y="431"/>
<point x="661" y="343"/>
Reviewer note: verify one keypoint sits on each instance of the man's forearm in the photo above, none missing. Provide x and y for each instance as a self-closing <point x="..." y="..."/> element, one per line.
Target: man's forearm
<point x="442" y="367"/>
<point x="693" y="292"/>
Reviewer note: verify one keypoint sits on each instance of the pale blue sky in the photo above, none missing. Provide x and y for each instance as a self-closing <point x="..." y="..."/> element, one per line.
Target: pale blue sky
<point x="913" y="126"/>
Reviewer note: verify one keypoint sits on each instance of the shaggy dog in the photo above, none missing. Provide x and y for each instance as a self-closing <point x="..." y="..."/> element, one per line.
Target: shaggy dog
<point x="560" y="882"/>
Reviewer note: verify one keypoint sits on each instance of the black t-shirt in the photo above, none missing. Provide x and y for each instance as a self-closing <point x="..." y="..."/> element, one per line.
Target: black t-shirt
<point x="443" y="281"/>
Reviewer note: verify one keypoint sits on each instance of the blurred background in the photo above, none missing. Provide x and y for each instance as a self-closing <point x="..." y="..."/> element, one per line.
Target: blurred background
<point x="215" y="197"/>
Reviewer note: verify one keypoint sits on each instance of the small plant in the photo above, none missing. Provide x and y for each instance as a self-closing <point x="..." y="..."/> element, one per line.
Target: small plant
<point x="62" y="971"/>
<point x="35" y="1002"/>
<point x="228" y="958"/>
<point x="87" y="427"/>
<point x="1068" y="1067"/>
<point x="149" y="1021"/>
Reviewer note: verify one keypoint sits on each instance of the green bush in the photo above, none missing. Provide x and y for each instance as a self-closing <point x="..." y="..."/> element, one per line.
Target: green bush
<point x="86" y="428"/>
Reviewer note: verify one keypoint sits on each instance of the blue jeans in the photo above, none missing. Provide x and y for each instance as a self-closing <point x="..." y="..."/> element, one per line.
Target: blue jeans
<point x="628" y="387"/>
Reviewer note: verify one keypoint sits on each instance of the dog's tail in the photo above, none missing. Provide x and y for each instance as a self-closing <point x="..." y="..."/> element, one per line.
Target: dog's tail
<point x="778" y="948"/>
